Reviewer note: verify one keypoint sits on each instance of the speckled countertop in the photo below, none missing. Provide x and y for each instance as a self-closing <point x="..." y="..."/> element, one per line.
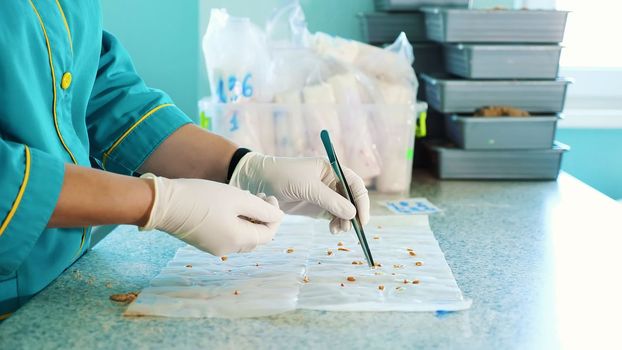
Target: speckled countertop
<point x="539" y="260"/>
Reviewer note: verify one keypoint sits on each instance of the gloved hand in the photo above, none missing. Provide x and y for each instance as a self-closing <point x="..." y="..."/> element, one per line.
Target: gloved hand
<point x="303" y="186"/>
<point x="214" y="217"/>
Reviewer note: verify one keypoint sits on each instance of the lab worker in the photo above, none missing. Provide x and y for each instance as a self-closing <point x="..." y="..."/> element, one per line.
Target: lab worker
<point x="78" y="127"/>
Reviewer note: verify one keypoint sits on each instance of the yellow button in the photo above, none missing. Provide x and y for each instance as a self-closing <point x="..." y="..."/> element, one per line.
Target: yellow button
<point x="65" y="82"/>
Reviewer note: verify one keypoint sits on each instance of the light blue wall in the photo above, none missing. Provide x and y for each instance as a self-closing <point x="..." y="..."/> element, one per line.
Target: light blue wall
<point x="595" y="158"/>
<point x="161" y="36"/>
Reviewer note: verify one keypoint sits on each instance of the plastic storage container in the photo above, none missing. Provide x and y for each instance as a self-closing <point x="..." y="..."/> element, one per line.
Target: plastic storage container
<point x="535" y="132"/>
<point x="454" y="163"/>
<point x="494" y="26"/>
<point x="376" y="141"/>
<point x="449" y="95"/>
<point x="383" y="27"/>
<point x="503" y="61"/>
<point x="409" y="5"/>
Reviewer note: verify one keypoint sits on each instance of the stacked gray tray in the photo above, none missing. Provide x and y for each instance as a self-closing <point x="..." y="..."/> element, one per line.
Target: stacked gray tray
<point x="507" y="58"/>
<point x="455" y="95"/>
<point x="411" y="5"/>
<point x="507" y="133"/>
<point x="483" y="61"/>
<point x="450" y="25"/>
<point x="533" y="164"/>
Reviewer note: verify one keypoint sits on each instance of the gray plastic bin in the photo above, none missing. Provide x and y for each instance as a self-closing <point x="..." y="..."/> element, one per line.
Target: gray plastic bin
<point x="454" y="163"/>
<point x="410" y="5"/>
<point x="495" y="26"/>
<point x="535" y="132"/>
<point x="503" y="61"/>
<point x="449" y="95"/>
<point x="380" y="27"/>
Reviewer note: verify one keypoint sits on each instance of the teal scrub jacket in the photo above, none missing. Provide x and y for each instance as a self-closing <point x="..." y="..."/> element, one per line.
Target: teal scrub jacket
<point x="68" y="94"/>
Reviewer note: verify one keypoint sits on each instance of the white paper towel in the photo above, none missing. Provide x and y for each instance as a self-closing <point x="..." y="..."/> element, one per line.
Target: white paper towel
<point x="271" y="280"/>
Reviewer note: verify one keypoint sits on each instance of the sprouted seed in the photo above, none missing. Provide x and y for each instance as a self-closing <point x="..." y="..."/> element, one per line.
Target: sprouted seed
<point x="290" y="250"/>
<point x="351" y="279"/>
<point x="343" y="249"/>
<point x="224" y="258"/>
<point x="124" y="297"/>
<point x="419" y="263"/>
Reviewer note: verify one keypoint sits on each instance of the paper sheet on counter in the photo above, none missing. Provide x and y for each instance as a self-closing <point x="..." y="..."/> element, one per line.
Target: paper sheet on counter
<point x="271" y="280"/>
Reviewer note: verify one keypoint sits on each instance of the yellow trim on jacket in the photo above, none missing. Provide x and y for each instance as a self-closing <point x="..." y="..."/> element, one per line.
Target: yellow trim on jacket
<point x="128" y="131"/>
<point x="20" y="193"/>
<point x="62" y="13"/>
<point x="51" y="62"/>
<point x="47" y="43"/>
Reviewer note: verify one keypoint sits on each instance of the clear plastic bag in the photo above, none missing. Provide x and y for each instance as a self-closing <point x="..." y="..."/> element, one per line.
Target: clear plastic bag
<point x="285" y="64"/>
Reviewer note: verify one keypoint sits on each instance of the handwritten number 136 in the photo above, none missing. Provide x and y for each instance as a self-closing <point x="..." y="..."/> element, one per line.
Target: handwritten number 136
<point x="230" y="94"/>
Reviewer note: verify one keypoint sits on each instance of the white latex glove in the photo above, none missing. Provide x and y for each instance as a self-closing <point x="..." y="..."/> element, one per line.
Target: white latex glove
<point x="214" y="217"/>
<point x="303" y="186"/>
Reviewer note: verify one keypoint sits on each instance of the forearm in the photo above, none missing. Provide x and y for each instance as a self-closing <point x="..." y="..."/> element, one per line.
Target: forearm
<point x="191" y="152"/>
<point x="94" y="197"/>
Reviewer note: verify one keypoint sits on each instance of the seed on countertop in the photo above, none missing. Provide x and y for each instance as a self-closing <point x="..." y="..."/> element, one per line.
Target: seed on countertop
<point x="319" y="263"/>
<point x="357" y="262"/>
<point x="393" y="273"/>
<point x="189" y="266"/>
<point x="290" y="250"/>
<point x="343" y="249"/>
<point x="381" y="287"/>
<point x="409" y="250"/>
<point x="419" y="263"/>
<point x="398" y="266"/>
<point x="306" y="279"/>
<point x="256" y="264"/>
<point x="124" y="297"/>
<point x="236" y="293"/>
<point x="406" y="281"/>
<point x="377" y="273"/>
<point x="416" y="281"/>
<point x="398" y="288"/>
<point x="329" y="252"/>
<point x="341" y="284"/>
<point x="351" y="279"/>
<point x="377" y="264"/>
<point x="376" y="237"/>
<point x="340" y="244"/>
<point x="379" y="227"/>
<point x="412" y="253"/>
<point x="224" y="258"/>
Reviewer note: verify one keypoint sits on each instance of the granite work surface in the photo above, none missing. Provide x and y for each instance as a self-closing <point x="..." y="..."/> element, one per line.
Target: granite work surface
<point x="539" y="260"/>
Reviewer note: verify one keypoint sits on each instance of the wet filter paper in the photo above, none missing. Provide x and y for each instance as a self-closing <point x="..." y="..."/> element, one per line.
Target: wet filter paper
<point x="306" y="267"/>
